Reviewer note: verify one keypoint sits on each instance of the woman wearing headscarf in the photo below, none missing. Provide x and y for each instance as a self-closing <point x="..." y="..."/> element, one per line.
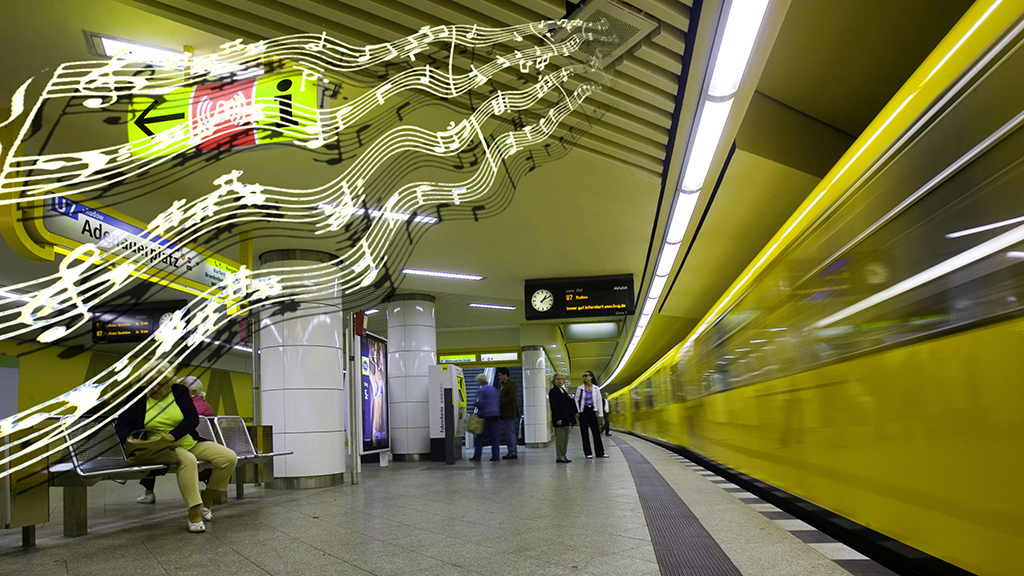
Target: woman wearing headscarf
<point x="167" y="408"/>
<point x="588" y="402"/>
<point x="563" y="416"/>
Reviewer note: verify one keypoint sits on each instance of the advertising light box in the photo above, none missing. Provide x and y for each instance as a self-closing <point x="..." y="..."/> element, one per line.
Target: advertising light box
<point x="374" y="368"/>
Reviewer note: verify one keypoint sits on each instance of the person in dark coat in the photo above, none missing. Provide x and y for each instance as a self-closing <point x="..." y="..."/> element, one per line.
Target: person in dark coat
<point x="509" y="401"/>
<point x="486" y="408"/>
<point x="167" y="408"/>
<point x="563" y="415"/>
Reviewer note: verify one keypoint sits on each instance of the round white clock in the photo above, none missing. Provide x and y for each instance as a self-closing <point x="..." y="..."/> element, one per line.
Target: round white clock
<point x="166" y="317"/>
<point x="542" y="300"/>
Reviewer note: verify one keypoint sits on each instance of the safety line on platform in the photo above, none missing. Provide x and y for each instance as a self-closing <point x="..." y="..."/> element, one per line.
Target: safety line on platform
<point x="681" y="543"/>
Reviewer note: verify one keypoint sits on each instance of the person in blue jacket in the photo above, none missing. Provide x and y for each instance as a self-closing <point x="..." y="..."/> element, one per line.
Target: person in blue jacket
<point x="488" y="409"/>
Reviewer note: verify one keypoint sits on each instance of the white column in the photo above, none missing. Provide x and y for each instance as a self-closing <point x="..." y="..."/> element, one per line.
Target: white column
<point x="535" y="397"/>
<point x="412" y="349"/>
<point x="302" y="396"/>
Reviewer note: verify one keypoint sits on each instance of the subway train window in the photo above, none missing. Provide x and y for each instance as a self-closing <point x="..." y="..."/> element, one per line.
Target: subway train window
<point x="929" y="241"/>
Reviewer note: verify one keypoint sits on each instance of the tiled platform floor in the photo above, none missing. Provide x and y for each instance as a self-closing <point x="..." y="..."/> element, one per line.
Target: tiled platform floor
<point x="525" y="516"/>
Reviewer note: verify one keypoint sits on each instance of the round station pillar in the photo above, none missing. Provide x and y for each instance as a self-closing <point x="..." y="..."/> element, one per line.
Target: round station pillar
<point x="412" y="349"/>
<point x="535" y="397"/>
<point x="301" y="377"/>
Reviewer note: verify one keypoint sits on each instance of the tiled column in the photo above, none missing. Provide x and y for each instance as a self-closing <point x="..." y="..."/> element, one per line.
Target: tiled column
<point x="302" y="397"/>
<point x="412" y="349"/>
<point x="535" y="397"/>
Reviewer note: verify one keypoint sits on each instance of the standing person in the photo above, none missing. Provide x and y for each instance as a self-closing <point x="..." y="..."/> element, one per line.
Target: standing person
<point x="563" y="415"/>
<point x="167" y="408"/>
<point x="488" y="409"/>
<point x="509" y="399"/>
<point x="607" y="416"/>
<point x="591" y="408"/>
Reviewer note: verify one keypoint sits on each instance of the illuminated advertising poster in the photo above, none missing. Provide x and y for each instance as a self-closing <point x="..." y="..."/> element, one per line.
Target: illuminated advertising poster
<point x="375" y="394"/>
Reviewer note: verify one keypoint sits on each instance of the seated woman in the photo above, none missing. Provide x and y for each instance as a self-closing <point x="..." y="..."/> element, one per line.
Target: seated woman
<point x="168" y="408"/>
<point x="195" y="389"/>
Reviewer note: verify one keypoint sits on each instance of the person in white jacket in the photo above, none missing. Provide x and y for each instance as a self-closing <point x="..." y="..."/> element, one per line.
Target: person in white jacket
<point x="591" y="408"/>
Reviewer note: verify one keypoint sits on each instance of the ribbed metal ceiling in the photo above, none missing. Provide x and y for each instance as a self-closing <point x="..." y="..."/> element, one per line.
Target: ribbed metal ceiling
<point x="638" y="103"/>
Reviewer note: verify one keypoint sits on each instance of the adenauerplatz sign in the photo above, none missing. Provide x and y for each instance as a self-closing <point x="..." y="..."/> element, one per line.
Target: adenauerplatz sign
<point x="82" y="224"/>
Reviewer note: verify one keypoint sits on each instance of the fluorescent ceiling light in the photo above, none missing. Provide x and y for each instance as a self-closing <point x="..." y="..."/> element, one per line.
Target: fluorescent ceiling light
<point x="986" y="227"/>
<point x="756" y="341"/>
<point x="962" y="259"/>
<point x="372" y="311"/>
<point x="738" y="41"/>
<point x="558" y="355"/>
<point x="649" y="305"/>
<point x="495" y="306"/>
<point x="111" y="46"/>
<point x="553" y="346"/>
<point x="14" y="296"/>
<point x="709" y="132"/>
<point x="1015" y="254"/>
<point x="591" y="331"/>
<point x="685" y="203"/>
<point x="452" y="275"/>
<point x="667" y="259"/>
<point x="228" y="344"/>
<point x="657" y="285"/>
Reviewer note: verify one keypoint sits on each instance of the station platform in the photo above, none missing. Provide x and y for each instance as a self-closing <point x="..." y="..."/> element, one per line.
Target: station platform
<point x="642" y="511"/>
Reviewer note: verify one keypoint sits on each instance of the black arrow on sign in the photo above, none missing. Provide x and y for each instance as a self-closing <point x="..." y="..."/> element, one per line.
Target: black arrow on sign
<point x="143" y="119"/>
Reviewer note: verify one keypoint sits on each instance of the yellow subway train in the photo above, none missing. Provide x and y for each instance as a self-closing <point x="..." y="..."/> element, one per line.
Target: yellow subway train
<point x="871" y="359"/>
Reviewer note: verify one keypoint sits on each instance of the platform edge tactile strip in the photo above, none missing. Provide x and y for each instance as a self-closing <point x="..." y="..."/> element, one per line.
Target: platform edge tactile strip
<point x="681" y="543"/>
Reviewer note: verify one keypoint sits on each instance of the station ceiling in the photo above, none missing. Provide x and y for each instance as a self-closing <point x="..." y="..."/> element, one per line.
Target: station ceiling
<point x="831" y="67"/>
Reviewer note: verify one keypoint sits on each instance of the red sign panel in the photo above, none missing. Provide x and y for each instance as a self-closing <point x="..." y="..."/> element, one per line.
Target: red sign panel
<point x="223" y="114"/>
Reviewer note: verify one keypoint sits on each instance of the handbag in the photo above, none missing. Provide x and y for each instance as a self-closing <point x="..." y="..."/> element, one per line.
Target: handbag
<point x="475" y="424"/>
<point x="145" y="447"/>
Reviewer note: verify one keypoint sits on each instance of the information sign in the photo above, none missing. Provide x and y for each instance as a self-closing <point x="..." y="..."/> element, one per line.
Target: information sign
<point x="555" y="298"/>
<point x="273" y="107"/>
<point x="117" y="326"/>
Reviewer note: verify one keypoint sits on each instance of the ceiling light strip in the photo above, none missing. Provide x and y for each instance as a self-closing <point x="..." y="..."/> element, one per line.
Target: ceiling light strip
<point x="494" y="306"/>
<point x="736" y="45"/>
<point x="436" y="274"/>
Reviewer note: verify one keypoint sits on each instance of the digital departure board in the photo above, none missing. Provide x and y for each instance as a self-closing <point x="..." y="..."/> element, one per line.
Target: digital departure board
<point x="579" y="297"/>
<point x="115" y="326"/>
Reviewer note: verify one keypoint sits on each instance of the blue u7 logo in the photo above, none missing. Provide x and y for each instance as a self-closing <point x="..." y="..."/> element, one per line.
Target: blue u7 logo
<point x="66" y="207"/>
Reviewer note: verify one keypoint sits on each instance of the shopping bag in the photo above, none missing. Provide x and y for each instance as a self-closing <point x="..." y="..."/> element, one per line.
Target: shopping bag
<point x="475" y="424"/>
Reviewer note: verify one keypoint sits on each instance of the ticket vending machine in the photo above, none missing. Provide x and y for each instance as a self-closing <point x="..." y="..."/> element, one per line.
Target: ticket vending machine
<point x="447" y="390"/>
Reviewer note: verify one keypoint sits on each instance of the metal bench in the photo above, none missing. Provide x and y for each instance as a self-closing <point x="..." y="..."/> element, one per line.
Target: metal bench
<point x="232" y="432"/>
<point x="94" y="457"/>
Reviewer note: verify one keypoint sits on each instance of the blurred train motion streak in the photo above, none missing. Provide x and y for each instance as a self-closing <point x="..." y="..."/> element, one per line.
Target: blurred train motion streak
<point x="869" y="360"/>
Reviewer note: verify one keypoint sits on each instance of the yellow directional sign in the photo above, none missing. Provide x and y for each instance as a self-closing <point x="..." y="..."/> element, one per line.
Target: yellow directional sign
<point x="267" y="108"/>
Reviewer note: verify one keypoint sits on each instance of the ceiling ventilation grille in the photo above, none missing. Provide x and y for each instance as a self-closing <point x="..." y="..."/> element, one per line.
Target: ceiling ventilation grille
<point x="626" y="28"/>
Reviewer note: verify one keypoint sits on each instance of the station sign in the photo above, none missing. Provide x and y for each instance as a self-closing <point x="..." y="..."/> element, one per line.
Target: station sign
<point x="588" y="297"/>
<point x="268" y="108"/>
<point x="82" y="224"/>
